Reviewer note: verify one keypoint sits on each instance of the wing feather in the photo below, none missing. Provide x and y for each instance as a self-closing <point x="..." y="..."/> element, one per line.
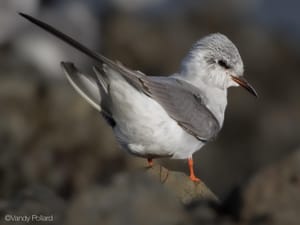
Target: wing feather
<point x="183" y="102"/>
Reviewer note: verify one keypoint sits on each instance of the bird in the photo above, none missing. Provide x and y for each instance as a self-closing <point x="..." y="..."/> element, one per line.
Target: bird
<point x="161" y="116"/>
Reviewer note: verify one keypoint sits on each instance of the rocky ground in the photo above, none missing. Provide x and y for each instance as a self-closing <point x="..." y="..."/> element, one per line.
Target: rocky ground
<point x="52" y="163"/>
<point x="58" y="157"/>
<point x="156" y="196"/>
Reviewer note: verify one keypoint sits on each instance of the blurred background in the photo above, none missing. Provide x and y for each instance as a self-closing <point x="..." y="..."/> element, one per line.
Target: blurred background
<point x="50" y="136"/>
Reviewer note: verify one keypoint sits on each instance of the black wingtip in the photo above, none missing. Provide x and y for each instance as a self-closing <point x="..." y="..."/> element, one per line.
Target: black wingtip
<point x="65" y="38"/>
<point x="67" y="65"/>
<point x="31" y="19"/>
<point x="24" y="15"/>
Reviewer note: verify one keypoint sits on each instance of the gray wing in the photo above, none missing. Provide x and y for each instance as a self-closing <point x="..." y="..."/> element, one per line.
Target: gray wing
<point x="183" y="102"/>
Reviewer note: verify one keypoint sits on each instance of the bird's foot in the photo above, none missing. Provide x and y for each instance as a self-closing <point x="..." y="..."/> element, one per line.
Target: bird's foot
<point x="194" y="178"/>
<point x="161" y="172"/>
<point x="191" y="168"/>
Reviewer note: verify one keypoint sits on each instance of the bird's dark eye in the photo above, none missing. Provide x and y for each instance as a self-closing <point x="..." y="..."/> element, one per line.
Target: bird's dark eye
<point x="223" y="64"/>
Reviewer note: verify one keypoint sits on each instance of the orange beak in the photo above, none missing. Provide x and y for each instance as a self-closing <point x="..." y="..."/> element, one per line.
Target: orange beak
<point x="245" y="84"/>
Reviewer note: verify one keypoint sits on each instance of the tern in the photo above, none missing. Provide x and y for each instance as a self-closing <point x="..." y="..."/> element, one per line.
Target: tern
<point x="158" y="116"/>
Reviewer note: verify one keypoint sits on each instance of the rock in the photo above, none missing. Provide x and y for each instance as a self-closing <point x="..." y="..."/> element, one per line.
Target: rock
<point x="180" y="184"/>
<point x="273" y="196"/>
<point x="38" y="203"/>
<point x="39" y="144"/>
<point x="132" y="198"/>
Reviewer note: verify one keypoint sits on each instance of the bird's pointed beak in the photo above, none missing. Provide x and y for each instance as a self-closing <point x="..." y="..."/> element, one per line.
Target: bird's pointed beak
<point x="245" y="84"/>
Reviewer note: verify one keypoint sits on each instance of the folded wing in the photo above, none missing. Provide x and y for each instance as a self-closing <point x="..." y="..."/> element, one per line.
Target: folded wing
<point x="181" y="100"/>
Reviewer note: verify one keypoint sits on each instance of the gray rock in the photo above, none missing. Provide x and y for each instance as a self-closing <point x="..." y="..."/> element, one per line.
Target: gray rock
<point x="273" y="195"/>
<point x="180" y="184"/>
<point x="130" y="199"/>
<point x="39" y="204"/>
<point x="50" y="136"/>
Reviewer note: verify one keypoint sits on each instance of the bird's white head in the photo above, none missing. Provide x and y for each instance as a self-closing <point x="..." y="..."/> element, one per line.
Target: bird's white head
<point x="215" y="61"/>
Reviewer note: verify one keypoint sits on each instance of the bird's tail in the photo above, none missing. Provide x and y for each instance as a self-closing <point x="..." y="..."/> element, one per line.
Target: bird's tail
<point x="85" y="85"/>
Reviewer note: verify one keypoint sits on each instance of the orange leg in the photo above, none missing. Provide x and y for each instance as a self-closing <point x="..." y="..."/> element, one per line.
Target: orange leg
<point x="191" y="168"/>
<point x="150" y="162"/>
